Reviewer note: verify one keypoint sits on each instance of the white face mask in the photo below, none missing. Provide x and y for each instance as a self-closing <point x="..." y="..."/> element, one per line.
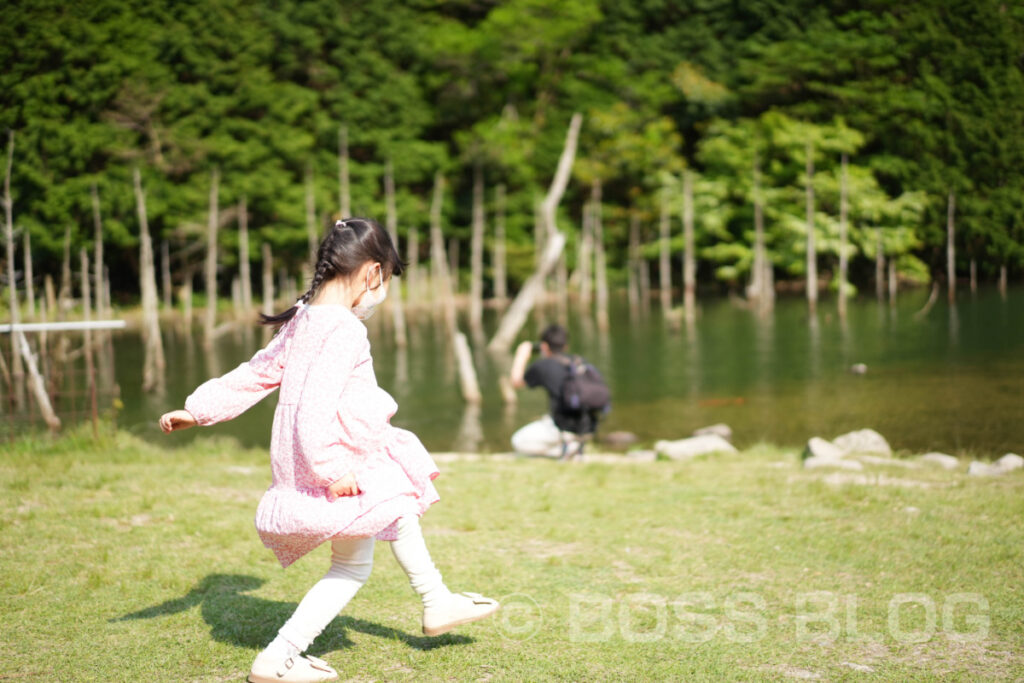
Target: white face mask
<point x="371" y="298"/>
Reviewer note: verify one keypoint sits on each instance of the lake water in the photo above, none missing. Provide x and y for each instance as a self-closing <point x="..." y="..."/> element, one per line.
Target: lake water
<point x="952" y="380"/>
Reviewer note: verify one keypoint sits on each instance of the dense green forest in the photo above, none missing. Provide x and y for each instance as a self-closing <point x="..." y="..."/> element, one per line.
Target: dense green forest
<point x="925" y="100"/>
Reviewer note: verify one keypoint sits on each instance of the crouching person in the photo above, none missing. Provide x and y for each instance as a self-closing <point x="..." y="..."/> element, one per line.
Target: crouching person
<point x="578" y="397"/>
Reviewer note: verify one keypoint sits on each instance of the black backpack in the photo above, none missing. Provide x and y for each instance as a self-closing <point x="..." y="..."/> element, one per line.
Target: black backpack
<point x="583" y="389"/>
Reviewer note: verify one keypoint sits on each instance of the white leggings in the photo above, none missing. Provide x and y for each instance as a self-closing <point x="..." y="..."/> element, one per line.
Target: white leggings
<point x="351" y="563"/>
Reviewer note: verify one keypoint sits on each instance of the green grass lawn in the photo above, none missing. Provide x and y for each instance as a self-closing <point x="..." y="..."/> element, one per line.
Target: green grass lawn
<point x="123" y="561"/>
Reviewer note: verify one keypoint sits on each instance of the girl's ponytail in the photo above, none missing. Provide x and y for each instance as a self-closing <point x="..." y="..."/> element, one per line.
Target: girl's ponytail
<point x="347" y="246"/>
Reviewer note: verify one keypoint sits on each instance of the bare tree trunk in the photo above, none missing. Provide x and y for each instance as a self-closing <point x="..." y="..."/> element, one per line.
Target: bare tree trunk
<point x="517" y="313"/>
<point x="97" y="222"/>
<point x="893" y="282"/>
<point x="879" y="265"/>
<point x="974" y="276"/>
<point x="391" y="218"/>
<point x="632" y="286"/>
<point x="842" y="238"/>
<point x="344" y="200"/>
<point x="586" y="257"/>
<point x="210" y="270"/>
<point x="442" y="288"/>
<point x="476" y="253"/>
<point x="30" y="293"/>
<point x="664" y="257"/>
<point x="951" y="248"/>
<point x="153" y="364"/>
<point x="37" y="385"/>
<point x="413" y="265"/>
<point x="600" y="263"/>
<point x="453" y="264"/>
<point x="500" y="278"/>
<point x="49" y="294"/>
<point x="467" y="373"/>
<point x="165" y="273"/>
<point x="64" y="293"/>
<point x="186" y="299"/>
<point x="1002" y="280"/>
<point x="812" y="253"/>
<point x="17" y="372"/>
<point x="244" y="269"/>
<point x="762" y="281"/>
<point x="644" y="276"/>
<point x="689" y="257"/>
<point x="268" y="280"/>
<point x="90" y="374"/>
<point x="437" y="253"/>
<point x="236" y="298"/>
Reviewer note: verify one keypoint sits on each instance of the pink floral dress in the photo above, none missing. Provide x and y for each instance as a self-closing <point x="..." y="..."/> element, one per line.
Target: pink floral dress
<point x="331" y="419"/>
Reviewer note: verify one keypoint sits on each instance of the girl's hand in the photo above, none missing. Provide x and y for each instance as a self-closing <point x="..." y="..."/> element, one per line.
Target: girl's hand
<point x="175" y="420"/>
<point x="346" y="486"/>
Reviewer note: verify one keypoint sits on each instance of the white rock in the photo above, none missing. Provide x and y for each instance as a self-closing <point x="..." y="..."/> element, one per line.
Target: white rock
<point x="820" y="448"/>
<point x="684" y="449"/>
<point x="941" y="459"/>
<point x="863" y="441"/>
<point x="984" y="469"/>
<point x="1010" y="462"/>
<point x="721" y="429"/>
<point x="816" y="461"/>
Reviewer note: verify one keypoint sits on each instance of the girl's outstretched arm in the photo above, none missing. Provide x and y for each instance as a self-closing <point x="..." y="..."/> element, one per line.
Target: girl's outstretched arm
<point x="175" y="420"/>
<point x="228" y="396"/>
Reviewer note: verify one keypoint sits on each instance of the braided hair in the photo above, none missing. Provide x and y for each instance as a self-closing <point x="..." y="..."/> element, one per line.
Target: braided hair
<point x="344" y="249"/>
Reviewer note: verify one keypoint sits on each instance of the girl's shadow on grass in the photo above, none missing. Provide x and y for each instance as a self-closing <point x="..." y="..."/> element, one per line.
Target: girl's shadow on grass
<point x="252" y="622"/>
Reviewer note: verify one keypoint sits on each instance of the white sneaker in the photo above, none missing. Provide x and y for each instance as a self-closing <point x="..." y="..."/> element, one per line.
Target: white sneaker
<point x="460" y="608"/>
<point x="297" y="669"/>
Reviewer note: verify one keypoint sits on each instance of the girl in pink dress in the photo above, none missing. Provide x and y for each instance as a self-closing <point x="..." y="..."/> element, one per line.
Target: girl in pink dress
<point x="341" y="472"/>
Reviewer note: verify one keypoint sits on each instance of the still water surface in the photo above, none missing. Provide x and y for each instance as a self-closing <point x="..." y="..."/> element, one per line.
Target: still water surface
<point x="951" y="381"/>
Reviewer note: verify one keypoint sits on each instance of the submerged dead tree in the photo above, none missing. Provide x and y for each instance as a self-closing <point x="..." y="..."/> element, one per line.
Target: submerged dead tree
<point x="476" y="253"/>
<point x="517" y="313"/>
<point x="441" y="284"/>
<point x="500" y="278"/>
<point x="812" y="253"/>
<point x="951" y="248"/>
<point x="391" y="219"/>
<point x="210" y="268"/>
<point x="153" y="361"/>
<point x="664" y="255"/>
<point x="30" y="294"/>
<point x="843" y="267"/>
<point x="97" y="278"/>
<point x="586" y="257"/>
<point x="689" y="257"/>
<point x="244" y="274"/>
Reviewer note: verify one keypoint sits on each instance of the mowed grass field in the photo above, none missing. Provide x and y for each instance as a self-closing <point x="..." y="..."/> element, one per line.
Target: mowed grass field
<point x="125" y="560"/>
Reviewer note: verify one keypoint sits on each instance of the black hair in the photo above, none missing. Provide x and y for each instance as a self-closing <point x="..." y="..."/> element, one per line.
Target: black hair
<point x="556" y="337"/>
<point x="346" y="247"/>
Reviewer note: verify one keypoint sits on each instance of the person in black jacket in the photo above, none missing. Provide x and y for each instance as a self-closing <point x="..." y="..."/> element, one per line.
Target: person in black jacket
<point x="562" y="431"/>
